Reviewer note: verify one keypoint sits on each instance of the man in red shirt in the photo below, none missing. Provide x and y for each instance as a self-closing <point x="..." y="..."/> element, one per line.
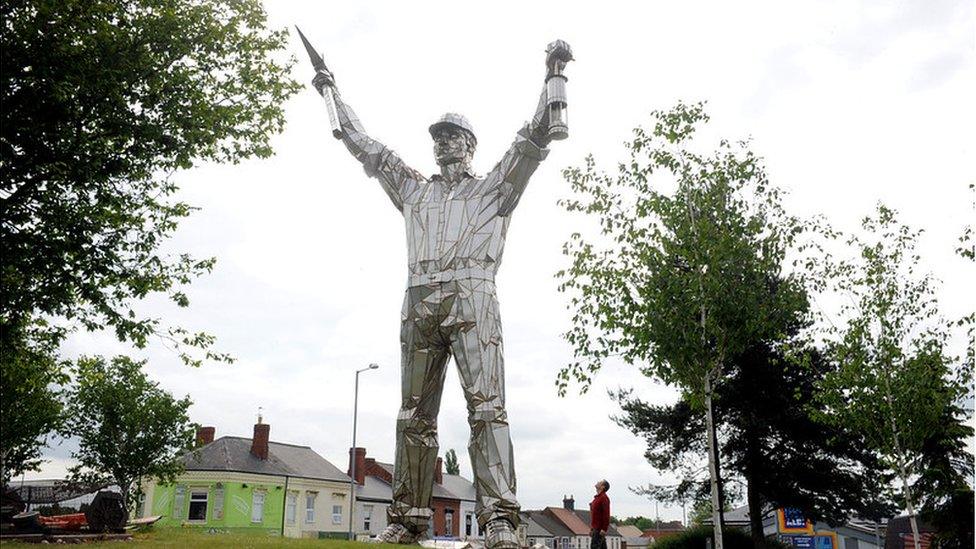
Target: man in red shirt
<point x="600" y="516"/>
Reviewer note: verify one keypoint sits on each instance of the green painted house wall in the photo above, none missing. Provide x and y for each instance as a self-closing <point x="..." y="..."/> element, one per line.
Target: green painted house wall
<point x="230" y="501"/>
<point x="229" y="505"/>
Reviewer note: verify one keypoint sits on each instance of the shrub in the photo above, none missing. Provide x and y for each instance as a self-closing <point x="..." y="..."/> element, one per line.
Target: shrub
<point x="696" y="538"/>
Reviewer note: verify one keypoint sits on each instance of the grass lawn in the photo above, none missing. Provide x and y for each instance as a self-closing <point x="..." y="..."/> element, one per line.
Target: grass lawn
<point x="177" y="537"/>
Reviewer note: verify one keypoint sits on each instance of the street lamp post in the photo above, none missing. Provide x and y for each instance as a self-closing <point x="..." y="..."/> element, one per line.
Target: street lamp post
<point x="352" y="453"/>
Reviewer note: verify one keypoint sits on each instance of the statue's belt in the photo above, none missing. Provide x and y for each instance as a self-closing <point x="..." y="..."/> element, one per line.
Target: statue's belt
<point x="475" y="273"/>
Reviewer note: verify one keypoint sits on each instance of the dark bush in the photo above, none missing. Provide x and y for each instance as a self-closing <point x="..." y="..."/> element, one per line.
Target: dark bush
<point x="696" y="536"/>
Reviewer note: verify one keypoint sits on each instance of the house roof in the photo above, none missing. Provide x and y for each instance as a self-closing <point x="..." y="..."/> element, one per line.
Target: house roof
<point x="570" y="520"/>
<point x="533" y="528"/>
<point x="585" y="517"/>
<point x="549" y="524"/>
<point x="629" y="531"/>
<point x="740" y="516"/>
<point x="234" y="454"/>
<point x="460" y="487"/>
<point x="900" y="527"/>
<point x="374" y="489"/>
<point x="439" y="491"/>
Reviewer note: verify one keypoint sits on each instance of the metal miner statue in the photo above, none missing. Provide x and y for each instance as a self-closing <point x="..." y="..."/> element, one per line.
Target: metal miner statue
<point x="456" y="223"/>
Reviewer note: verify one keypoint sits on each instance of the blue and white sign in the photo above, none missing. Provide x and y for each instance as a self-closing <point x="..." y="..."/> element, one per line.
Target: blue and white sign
<point x="793" y="518"/>
<point x="802" y="542"/>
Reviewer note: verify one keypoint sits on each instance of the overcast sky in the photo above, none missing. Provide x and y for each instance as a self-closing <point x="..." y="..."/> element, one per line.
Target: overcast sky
<point x="850" y="103"/>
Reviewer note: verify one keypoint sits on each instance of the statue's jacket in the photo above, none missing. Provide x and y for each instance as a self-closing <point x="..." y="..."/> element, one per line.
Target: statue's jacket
<point x="454" y="230"/>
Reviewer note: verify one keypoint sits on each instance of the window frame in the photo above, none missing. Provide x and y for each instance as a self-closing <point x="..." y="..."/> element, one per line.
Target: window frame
<point x="254" y="501"/>
<point x="367" y="517"/>
<point x="217" y="513"/>
<point x="291" y="507"/>
<point x="449" y="522"/>
<point x="310" y="497"/>
<point x="179" y="498"/>
<point x="194" y="499"/>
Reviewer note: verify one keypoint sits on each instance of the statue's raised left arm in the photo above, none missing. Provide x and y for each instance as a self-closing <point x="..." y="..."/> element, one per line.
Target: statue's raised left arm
<point x="530" y="148"/>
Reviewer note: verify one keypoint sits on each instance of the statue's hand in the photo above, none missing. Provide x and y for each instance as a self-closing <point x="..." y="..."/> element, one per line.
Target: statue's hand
<point x="558" y="53"/>
<point x="322" y="79"/>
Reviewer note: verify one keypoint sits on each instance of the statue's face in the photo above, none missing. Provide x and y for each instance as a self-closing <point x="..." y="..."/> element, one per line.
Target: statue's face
<point x="451" y="145"/>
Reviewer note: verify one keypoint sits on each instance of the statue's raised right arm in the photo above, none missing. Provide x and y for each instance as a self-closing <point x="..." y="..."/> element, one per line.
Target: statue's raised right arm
<point x="378" y="160"/>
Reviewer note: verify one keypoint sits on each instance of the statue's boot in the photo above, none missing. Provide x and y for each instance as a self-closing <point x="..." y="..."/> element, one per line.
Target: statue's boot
<point x="500" y="534"/>
<point x="399" y="534"/>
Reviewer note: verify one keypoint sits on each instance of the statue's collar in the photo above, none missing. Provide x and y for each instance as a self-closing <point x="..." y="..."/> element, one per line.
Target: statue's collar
<point x="465" y="173"/>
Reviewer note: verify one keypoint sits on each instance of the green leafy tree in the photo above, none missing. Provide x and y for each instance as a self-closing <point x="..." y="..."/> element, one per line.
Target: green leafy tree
<point x="102" y="102"/>
<point x="945" y="469"/>
<point x="678" y="282"/>
<point x="128" y="428"/>
<point x="30" y="403"/>
<point x="896" y="382"/>
<point x="770" y="443"/>
<point x="451" y="463"/>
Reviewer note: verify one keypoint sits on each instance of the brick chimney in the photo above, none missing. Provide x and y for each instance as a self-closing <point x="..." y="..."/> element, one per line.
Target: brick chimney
<point x="359" y="455"/>
<point x="259" y="444"/>
<point x="374" y="469"/>
<point x="205" y="435"/>
<point x="569" y="503"/>
<point x="439" y="471"/>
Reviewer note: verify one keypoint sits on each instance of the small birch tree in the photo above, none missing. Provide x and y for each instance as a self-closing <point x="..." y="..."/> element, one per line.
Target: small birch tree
<point x="688" y="269"/>
<point x="896" y="375"/>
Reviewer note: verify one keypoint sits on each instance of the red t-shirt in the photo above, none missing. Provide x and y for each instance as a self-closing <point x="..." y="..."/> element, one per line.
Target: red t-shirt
<point x="600" y="512"/>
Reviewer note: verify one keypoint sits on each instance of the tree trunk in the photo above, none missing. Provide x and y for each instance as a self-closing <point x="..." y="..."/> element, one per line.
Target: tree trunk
<point x="125" y="485"/>
<point x="902" y="471"/>
<point x="718" y="473"/>
<point x="909" y="503"/>
<point x="712" y="465"/>
<point x="754" y="500"/>
<point x="755" y="513"/>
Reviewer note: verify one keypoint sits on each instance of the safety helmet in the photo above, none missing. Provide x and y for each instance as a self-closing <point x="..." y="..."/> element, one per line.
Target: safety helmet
<point x="454" y="120"/>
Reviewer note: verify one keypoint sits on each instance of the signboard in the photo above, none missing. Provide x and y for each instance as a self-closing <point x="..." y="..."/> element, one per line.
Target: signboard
<point x="824" y="540"/>
<point x="792" y="521"/>
<point x="802" y="542"/>
<point x="793" y="518"/>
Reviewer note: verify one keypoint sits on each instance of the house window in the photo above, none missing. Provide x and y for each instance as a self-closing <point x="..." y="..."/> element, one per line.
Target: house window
<point x="336" y="514"/>
<point x="467" y="524"/>
<point x="198" y="505"/>
<point x="564" y="543"/>
<point x="368" y="517"/>
<point x="218" y="503"/>
<point x="291" y="507"/>
<point x="310" y="507"/>
<point x="257" y="506"/>
<point x="448" y="522"/>
<point x="179" y="493"/>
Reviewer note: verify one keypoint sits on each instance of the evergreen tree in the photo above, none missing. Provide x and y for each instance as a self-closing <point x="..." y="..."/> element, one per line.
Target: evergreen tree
<point x="769" y="442"/>
<point x="451" y="463"/>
